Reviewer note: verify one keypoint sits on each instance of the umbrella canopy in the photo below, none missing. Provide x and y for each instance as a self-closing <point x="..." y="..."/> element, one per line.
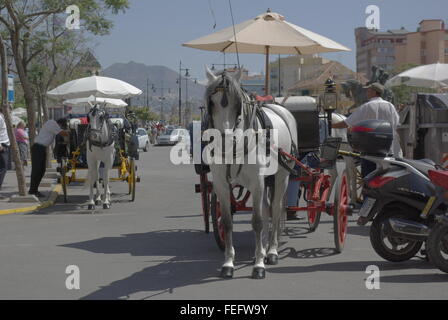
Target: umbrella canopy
<point x="267" y="30"/>
<point x="267" y="33"/>
<point x="99" y="87"/>
<point x="19" y="112"/>
<point x="110" y="103"/>
<point x="433" y="76"/>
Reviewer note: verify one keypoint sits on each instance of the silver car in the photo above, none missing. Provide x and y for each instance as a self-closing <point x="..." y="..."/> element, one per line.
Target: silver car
<point x="174" y="136"/>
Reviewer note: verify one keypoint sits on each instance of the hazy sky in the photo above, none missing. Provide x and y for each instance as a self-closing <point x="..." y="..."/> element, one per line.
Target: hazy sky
<point x="152" y="31"/>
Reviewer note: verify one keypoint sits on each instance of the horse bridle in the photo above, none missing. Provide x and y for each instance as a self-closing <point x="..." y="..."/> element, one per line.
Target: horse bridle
<point x="224" y="88"/>
<point x="103" y="119"/>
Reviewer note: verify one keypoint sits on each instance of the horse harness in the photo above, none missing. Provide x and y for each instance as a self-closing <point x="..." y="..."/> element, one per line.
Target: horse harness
<point x="97" y="132"/>
<point x="250" y="111"/>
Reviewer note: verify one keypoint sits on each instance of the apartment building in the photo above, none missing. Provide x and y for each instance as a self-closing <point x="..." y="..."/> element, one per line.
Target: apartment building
<point x="429" y="44"/>
<point x="375" y="47"/>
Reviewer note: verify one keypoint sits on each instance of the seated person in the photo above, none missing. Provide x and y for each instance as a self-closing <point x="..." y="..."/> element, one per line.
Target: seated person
<point x="310" y="159"/>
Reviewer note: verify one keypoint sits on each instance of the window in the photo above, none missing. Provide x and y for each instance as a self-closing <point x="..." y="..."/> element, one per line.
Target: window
<point x="446" y="51"/>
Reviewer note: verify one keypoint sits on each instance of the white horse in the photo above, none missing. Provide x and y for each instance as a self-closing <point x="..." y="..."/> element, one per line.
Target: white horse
<point x="229" y="108"/>
<point x="100" y="148"/>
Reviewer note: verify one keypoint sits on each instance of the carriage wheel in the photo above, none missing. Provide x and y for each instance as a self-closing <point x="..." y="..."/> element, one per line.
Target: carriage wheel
<point x="313" y="215"/>
<point x="132" y="179"/>
<point x="64" y="178"/>
<point x="218" y="226"/>
<point x="206" y="201"/>
<point x="340" y="219"/>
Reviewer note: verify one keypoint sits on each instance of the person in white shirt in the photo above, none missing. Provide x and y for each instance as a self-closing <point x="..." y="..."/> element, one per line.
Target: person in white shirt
<point x="4" y="149"/>
<point x="46" y="136"/>
<point x="378" y="109"/>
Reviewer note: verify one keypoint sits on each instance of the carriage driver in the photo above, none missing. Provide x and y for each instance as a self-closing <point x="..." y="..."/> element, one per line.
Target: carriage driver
<point x="46" y="137"/>
<point x="375" y="109"/>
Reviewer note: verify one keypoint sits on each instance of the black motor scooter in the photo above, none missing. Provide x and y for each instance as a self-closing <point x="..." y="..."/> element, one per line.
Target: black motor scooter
<point x="437" y="244"/>
<point x="397" y="195"/>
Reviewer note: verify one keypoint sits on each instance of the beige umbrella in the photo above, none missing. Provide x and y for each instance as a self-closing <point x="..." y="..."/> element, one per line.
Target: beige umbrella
<point x="268" y="33"/>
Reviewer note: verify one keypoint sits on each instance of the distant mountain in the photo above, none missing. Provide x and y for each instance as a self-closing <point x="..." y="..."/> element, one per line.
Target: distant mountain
<point x="139" y="74"/>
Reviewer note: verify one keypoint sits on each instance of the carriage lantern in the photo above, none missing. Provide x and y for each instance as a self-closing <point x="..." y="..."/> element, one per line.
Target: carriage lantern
<point x="329" y="100"/>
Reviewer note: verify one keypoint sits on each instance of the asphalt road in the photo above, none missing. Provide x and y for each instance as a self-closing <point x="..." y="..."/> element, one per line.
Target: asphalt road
<point x="155" y="248"/>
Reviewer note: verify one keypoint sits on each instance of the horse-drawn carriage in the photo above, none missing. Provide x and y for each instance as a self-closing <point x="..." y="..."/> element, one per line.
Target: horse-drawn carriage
<point x="315" y="179"/>
<point x="72" y="154"/>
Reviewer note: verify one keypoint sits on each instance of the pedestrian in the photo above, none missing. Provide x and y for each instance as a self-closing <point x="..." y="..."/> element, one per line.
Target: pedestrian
<point x="375" y="109"/>
<point x="45" y="138"/>
<point x="22" y="142"/>
<point x="4" y="149"/>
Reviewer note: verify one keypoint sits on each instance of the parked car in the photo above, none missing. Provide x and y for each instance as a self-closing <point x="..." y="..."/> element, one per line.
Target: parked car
<point x="172" y="137"/>
<point x="143" y="139"/>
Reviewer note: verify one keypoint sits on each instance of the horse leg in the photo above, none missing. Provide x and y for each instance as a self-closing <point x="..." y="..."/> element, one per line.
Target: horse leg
<point x="259" y="270"/>
<point x="93" y="177"/>
<point x="97" y="184"/>
<point x="106" y="192"/>
<point x="223" y="194"/>
<point x="278" y="210"/>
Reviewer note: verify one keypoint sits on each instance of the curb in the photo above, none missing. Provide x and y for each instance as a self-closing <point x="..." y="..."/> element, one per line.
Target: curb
<point x="51" y="200"/>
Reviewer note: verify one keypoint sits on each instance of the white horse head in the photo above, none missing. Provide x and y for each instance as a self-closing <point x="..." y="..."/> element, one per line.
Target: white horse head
<point x="224" y="98"/>
<point x="99" y="131"/>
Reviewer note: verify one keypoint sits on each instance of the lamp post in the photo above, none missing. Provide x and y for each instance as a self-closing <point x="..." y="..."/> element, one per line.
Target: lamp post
<point x="179" y="82"/>
<point x="186" y="96"/>
<point x="161" y="98"/>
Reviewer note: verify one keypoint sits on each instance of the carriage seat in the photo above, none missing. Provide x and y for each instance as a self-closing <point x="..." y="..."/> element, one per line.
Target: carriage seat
<point x="305" y="111"/>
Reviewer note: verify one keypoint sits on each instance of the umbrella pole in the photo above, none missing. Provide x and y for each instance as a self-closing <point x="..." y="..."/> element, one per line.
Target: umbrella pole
<point x="266" y="82"/>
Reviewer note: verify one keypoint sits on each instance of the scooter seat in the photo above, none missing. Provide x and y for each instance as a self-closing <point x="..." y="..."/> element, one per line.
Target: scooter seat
<point x="439" y="178"/>
<point x="423" y="165"/>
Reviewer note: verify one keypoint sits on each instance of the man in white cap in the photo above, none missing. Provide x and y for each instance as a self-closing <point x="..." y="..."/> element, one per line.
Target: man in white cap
<point x="375" y="109"/>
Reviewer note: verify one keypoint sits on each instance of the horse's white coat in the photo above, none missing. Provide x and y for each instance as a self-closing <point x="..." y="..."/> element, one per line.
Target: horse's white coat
<point x="96" y="155"/>
<point x="267" y="202"/>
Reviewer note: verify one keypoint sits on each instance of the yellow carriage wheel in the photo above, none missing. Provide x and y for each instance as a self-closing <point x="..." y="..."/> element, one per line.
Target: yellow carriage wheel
<point x="132" y="179"/>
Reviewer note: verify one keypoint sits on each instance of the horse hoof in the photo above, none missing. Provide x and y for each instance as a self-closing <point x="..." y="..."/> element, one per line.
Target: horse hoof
<point x="91" y="207"/>
<point x="106" y="206"/>
<point x="98" y="202"/>
<point x="258" y="273"/>
<point x="227" y="272"/>
<point x="272" y="259"/>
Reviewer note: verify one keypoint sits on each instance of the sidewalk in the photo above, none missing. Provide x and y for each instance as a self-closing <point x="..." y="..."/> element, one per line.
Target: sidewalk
<point x="49" y="187"/>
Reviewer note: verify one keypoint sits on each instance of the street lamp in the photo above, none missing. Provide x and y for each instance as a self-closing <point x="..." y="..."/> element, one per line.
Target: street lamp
<point x="161" y="98"/>
<point x="179" y="82"/>
<point x="186" y="95"/>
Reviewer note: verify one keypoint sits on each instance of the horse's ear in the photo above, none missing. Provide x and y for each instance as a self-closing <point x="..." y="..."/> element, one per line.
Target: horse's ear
<point x="238" y="74"/>
<point x="210" y="75"/>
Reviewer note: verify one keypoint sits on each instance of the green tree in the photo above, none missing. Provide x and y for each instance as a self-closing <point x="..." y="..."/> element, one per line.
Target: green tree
<point x="24" y="20"/>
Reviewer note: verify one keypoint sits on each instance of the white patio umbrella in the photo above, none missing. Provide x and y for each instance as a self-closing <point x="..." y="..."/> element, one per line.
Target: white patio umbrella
<point x="434" y="76"/>
<point x="99" y="87"/>
<point x="268" y="33"/>
<point x="19" y="112"/>
<point x="107" y="102"/>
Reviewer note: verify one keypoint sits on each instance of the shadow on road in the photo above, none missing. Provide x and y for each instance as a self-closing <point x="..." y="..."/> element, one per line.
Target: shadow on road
<point x="416" y="278"/>
<point x="351" y="266"/>
<point x="192" y="263"/>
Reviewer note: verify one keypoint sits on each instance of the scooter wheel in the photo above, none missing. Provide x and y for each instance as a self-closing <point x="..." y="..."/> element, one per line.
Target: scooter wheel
<point x="393" y="249"/>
